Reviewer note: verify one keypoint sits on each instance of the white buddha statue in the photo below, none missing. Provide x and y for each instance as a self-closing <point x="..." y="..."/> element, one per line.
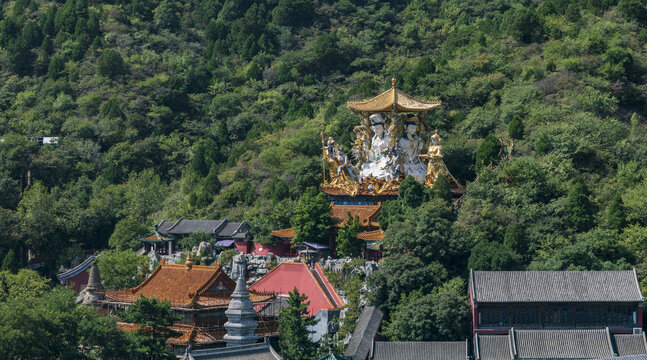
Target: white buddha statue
<point x="378" y="163"/>
<point x="410" y="147"/>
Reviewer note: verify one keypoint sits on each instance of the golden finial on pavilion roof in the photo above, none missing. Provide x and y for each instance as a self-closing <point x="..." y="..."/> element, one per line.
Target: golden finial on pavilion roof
<point x="393" y="81"/>
<point x="189" y="261"/>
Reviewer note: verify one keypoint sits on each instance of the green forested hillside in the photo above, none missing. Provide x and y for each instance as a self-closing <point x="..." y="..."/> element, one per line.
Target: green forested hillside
<point x="213" y="109"/>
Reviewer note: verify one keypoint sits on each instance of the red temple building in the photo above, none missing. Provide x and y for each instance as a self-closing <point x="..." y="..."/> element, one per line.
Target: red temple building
<point x="198" y="294"/>
<point x="325" y="302"/>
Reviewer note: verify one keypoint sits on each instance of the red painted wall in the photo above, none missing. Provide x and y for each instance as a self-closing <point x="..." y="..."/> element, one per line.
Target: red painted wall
<point x="79" y="281"/>
<point x="279" y="248"/>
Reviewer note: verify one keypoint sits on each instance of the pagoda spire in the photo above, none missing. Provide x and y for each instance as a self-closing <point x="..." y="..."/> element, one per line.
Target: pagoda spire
<point x="93" y="292"/>
<point x="240" y="324"/>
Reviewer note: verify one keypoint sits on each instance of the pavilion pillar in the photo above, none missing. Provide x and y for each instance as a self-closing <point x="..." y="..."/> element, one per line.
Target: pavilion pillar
<point x="639" y="316"/>
<point x="170" y="247"/>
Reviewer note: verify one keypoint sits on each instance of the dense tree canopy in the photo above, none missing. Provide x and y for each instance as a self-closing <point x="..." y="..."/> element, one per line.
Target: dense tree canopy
<point x="214" y="109"/>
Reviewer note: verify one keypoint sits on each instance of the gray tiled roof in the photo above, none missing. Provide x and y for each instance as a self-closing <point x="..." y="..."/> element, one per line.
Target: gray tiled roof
<point x="630" y="344"/>
<point x="554" y="286"/>
<point x="626" y="357"/>
<point x="562" y="344"/>
<point x="414" y="350"/>
<point x="557" y="344"/>
<point x="231" y="228"/>
<point x="261" y="351"/>
<point x="365" y="330"/>
<point x="184" y="226"/>
<point x="492" y="347"/>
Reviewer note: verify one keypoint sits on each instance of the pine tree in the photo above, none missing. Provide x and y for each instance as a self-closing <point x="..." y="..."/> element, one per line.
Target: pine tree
<point x="66" y="18"/>
<point x="487" y="152"/>
<point x="579" y="212"/>
<point x="56" y="67"/>
<point x="10" y="262"/>
<point x="198" y="163"/>
<point x="348" y="244"/>
<point x="212" y="184"/>
<point x="294" y="320"/>
<point x="254" y="71"/>
<point x="166" y="16"/>
<point x="617" y="217"/>
<point x="111" y="64"/>
<point x="516" y="128"/>
<point x="514" y="239"/>
<point x="441" y="189"/>
<point x="311" y="217"/>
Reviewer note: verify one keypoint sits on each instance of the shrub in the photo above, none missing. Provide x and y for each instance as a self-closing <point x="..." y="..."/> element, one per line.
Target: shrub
<point x="111" y="64"/>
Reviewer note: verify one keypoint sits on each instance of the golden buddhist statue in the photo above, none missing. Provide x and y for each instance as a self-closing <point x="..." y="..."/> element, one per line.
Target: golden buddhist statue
<point x="435" y="163"/>
<point x="387" y="147"/>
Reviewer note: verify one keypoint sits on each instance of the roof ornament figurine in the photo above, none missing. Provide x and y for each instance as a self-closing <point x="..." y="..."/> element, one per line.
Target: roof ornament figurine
<point x="240" y="323"/>
<point x="389" y="146"/>
<point x="189" y="261"/>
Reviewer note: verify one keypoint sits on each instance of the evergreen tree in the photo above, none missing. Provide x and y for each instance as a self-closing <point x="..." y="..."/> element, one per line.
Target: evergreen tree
<point x="20" y="58"/>
<point x="56" y="67"/>
<point x="254" y="71"/>
<point x="277" y="190"/>
<point x="487" y="152"/>
<point x="166" y="15"/>
<point x="211" y="183"/>
<point x="411" y="192"/>
<point x="46" y="46"/>
<point x="93" y="25"/>
<point x="441" y="189"/>
<point x="47" y="21"/>
<point x="10" y="262"/>
<point x="294" y="320"/>
<point x="31" y="34"/>
<point x="617" y="217"/>
<point x="579" y="212"/>
<point x="348" y="244"/>
<point x="516" y="128"/>
<point x="312" y="217"/>
<point x="111" y="64"/>
<point x="293" y="12"/>
<point x="66" y="17"/>
<point x="514" y="239"/>
<point x="198" y="162"/>
<point x="154" y="319"/>
<point x="111" y="109"/>
<point x="492" y="256"/>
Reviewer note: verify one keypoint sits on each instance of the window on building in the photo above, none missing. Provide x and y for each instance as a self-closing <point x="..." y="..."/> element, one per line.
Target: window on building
<point x="494" y="316"/>
<point x="525" y="317"/>
<point x="557" y="317"/>
<point x="619" y="316"/>
<point x="589" y="316"/>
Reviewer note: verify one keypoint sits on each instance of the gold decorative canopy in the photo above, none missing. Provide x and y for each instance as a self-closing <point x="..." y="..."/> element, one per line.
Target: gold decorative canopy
<point x="392" y="100"/>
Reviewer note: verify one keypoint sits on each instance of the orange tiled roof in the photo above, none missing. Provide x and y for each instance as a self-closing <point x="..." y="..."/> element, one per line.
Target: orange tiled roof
<point x="195" y="336"/>
<point x="367" y="214"/>
<point x="374" y="235"/>
<point x="283" y="233"/>
<point x="197" y="286"/>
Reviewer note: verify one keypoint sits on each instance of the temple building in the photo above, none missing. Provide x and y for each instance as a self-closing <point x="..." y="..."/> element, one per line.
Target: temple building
<point x="163" y="239"/>
<point x="77" y="277"/>
<point x="391" y="143"/>
<point x="325" y="302"/>
<point x="522" y="344"/>
<point x="502" y="300"/>
<point x="200" y="295"/>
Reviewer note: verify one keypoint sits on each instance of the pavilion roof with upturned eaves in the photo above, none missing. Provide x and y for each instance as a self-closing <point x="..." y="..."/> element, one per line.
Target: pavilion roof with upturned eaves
<point x="392" y="100"/>
<point x="189" y="287"/>
<point x="367" y="214"/>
